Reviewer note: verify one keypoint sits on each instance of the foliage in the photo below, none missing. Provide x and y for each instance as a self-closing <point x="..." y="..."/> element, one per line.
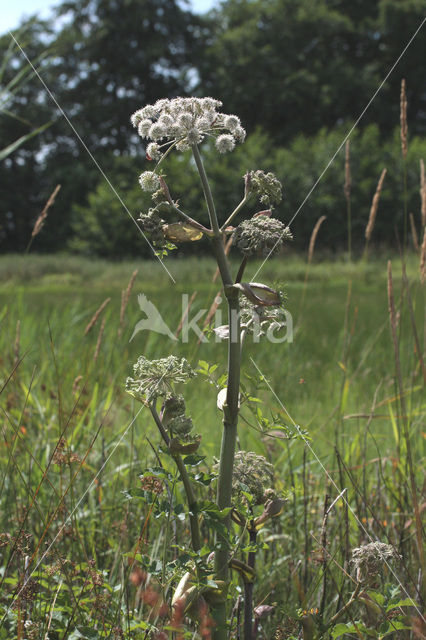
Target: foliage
<point x="369" y="154"/>
<point x="106" y="57"/>
<point x="54" y="298"/>
<point x="270" y="61"/>
<point x="293" y="66"/>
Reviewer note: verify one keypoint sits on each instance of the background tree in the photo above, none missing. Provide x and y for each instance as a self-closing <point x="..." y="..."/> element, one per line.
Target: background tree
<point x="107" y="58"/>
<point x="294" y="66"/>
<point x="297" y="71"/>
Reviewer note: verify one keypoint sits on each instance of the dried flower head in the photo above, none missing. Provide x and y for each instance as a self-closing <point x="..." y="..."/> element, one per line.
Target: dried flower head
<point x="181" y="425"/>
<point x="370" y="559"/>
<point x="185" y="122"/>
<point x="252" y="474"/>
<point x="173" y="406"/>
<point x="151" y="483"/>
<point x="257" y="319"/>
<point x="262" y="235"/>
<point x="265" y="186"/>
<point x="152" y="224"/>
<point x="154" y="378"/>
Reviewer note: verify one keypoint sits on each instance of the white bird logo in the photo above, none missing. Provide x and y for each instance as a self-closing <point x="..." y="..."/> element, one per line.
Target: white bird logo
<point x="153" y="320"/>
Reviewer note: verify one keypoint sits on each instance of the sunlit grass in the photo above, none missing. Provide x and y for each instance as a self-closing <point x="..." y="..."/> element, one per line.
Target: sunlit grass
<point x="338" y="366"/>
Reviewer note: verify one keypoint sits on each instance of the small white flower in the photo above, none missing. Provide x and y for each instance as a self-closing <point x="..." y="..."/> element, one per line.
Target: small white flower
<point x="161" y="104"/>
<point x="149" y="181"/>
<point x="186" y="120"/>
<point x="143" y="127"/>
<point x="203" y="123"/>
<point x="232" y="122"/>
<point x="183" y="145"/>
<point x="166" y="120"/>
<point x="153" y="151"/>
<point x="148" y="111"/>
<point x="157" y="131"/>
<point x="211" y="103"/>
<point x="225" y="143"/>
<point x="239" y="134"/>
<point x="193" y="136"/>
<point x="136" y="117"/>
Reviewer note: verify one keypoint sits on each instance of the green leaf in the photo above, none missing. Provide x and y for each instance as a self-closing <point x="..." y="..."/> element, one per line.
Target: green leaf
<point x="406" y="602"/>
<point x="193" y="460"/>
<point x="341" y="629"/>
<point x="393" y="626"/>
<point x="376" y="596"/>
<point x="20" y="141"/>
<point x="84" y="632"/>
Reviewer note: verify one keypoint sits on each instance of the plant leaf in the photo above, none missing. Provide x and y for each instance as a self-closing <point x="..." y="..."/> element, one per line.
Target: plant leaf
<point x="181" y="232"/>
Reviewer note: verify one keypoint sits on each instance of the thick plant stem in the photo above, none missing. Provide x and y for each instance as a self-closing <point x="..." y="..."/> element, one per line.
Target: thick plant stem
<point x="190" y="496"/>
<point x="231" y="408"/>
<point x="192" y="503"/>
<point x="207" y="191"/>
<point x="248" y="590"/>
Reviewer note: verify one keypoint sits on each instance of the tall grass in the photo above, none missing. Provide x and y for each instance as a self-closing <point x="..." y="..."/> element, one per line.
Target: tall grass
<point x="73" y="444"/>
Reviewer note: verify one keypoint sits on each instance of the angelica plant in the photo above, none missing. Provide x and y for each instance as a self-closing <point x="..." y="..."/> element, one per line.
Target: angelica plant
<point x="180" y="125"/>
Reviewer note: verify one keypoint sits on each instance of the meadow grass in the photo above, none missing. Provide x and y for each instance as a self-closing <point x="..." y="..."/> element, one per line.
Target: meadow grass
<point x="73" y="441"/>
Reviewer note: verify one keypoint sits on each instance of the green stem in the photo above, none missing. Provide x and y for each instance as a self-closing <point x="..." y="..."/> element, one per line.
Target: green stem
<point x="231" y="408"/>
<point x="190" y="496"/>
<point x="192" y="502"/>
<point x="346" y="606"/>
<point x="348" y="207"/>
<point x="248" y="588"/>
<point x="235" y="211"/>
<point x="207" y="191"/>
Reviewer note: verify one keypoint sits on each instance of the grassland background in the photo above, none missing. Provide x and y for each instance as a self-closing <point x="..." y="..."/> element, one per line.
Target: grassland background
<point x="340" y="358"/>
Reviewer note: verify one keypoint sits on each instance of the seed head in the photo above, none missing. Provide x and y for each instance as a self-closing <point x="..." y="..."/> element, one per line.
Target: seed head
<point x="252" y="474"/>
<point x="261" y="235"/>
<point x="370" y="559"/>
<point x="265" y="186"/>
<point x="152" y="224"/>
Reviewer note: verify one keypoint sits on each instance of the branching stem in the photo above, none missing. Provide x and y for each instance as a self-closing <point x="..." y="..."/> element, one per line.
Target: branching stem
<point x="231" y="407"/>
<point x="190" y="496"/>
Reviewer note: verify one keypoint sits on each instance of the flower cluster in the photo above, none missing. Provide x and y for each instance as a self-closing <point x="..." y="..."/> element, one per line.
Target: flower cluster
<point x="152" y="224"/>
<point x="370" y="559"/>
<point x="155" y="378"/>
<point x="174" y="416"/>
<point x="257" y="318"/>
<point x="261" y="235"/>
<point x="184" y="122"/>
<point x="265" y="186"/>
<point x="179" y="425"/>
<point x="252" y="474"/>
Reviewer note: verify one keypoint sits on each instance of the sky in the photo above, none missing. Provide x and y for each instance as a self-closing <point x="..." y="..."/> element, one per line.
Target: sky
<point x="12" y="12"/>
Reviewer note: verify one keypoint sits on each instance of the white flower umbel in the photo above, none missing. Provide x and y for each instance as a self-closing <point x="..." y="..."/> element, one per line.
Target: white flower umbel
<point x="154" y="378"/>
<point x="149" y="181"/>
<point x="185" y="122"/>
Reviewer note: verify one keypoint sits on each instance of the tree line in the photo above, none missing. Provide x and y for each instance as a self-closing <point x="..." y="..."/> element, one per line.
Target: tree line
<point x="297" y="72"/>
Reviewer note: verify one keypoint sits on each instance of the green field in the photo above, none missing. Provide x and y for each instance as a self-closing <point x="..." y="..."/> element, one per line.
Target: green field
<point x="66" y="517"/>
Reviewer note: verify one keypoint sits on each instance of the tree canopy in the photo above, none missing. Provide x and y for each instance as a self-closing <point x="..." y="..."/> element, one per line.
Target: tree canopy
<point x="290" y="69"/>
